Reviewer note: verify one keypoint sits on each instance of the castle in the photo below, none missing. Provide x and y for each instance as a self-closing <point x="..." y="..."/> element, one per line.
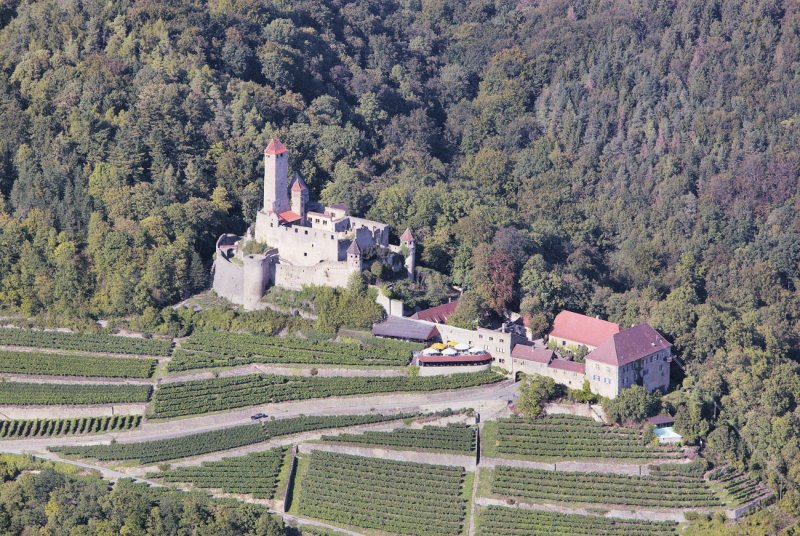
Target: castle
<point x="298" y="242"/>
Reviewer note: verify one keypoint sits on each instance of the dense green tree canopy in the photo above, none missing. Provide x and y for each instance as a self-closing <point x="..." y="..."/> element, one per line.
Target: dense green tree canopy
<point x="636" y="162"/>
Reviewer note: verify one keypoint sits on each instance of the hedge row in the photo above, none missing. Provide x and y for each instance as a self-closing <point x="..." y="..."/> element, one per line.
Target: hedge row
<point x="29" y="394"/>
<point x="87" y="342"/>
<point x="219" y="349"/>
<point x="392" y="496"/>
<point x="75" y="365"/>
<point x="740" y="488"/>
<point x="601" y="488"/>
<point x="575" y="437"/>
<point x="501" y="521"/>
<point x="56" y="427"/>
<point x="196" y="444"/>
<point x="202" y="396"/>
<point x="255" y="474"/>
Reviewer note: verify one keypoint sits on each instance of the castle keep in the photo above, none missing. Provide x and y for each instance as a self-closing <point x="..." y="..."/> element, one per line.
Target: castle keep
<point x="307" y="243"/>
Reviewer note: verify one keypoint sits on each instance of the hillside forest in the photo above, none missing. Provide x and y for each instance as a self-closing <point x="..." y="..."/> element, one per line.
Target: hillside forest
<point x="636" y="160"/>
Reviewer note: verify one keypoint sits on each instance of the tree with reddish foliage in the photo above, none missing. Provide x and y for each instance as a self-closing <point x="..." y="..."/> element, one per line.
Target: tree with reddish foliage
<point x="502" y="276"/>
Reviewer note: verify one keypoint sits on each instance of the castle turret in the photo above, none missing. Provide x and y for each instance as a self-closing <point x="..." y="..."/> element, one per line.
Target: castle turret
<point x="299" y="198"/>
<point x="276" y="177"/>
<point x="354" y="257"/>
<point x="409" y="243"/>
<point x="255" y="278"/>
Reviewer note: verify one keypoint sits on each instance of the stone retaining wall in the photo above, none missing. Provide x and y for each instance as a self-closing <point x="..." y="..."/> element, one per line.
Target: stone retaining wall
<point x="434" y="458"/>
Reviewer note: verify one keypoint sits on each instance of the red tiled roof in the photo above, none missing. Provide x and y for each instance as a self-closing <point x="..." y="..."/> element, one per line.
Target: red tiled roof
<point x="571" y="366"/>
<point x="582" y="329"/>
<point x="407" y="236"/>
<point x="275" y="147"/>
<point x="529" y="353"/>
<point x="298" y="185"/>
<point x="461" y="359"/>
<point x="289" y="216"/>
<point x="629" y="345"/>
<point x="354" y="249"/>
<point x="437" y="314"/>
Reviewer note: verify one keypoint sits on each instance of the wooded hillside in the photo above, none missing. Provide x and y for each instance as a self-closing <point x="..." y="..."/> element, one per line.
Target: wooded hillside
<point x="635" y="160"/>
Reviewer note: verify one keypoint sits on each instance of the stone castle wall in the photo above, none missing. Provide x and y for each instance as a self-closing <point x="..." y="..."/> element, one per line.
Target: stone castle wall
<point x="325" y="274"/>
<point x="298" y="245"/>
<point x="228" y="279"/>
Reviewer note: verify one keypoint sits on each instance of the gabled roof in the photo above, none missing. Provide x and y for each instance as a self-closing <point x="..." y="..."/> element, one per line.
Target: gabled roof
<point x="297" y="184"/>
<point x="582" y="329"/>
<point x="405" y="328"/>
<point x="629" y="345"/>
<point x="529" y="353"/>
<point x="407" y="236"/>
<point x="275" y="147"/>
<point x="354" y="249"/>
<point x="290" y="216"/>
<point x="437" y="314"/>
<point x="571" y="366"/>
<point x="659" y="420"/>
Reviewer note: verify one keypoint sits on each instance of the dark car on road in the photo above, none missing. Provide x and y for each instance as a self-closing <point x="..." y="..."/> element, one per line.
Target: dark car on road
<point x="258" y="416"/>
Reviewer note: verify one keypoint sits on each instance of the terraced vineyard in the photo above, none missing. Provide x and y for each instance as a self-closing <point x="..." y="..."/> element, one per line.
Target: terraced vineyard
<point x="228" y="438"/>
<point x="75" y="365"/>
<point x="566" y="436"/>
<point x="206" y="350"/>
<point x="739" y="487"/>
<point x="86" y="342"/>
<point x="28" y="394"/>
<point x="255" y="474"/>
<point x="668" y="491"/>
<point x="55" y="427"/>
<point x="397" y="497"/>
<point x="202" y="396"/>
<point x="454" y="437"/>
<point x="501" y="521"/>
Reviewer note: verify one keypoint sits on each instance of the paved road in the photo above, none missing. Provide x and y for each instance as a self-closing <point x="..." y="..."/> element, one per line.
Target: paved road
<point x="487" y="399"/>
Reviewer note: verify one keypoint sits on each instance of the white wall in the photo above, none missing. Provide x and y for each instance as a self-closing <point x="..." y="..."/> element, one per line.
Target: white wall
<point x="302" y="246"/>
<point x="438" y="371"/>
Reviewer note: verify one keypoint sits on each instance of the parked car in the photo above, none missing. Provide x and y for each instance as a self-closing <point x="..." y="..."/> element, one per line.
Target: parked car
<point x="258" y="416"/>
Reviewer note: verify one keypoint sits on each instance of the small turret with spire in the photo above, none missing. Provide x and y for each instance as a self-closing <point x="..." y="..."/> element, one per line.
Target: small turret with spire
<point x="408" y="242"/>
<point x="299" y="194"/>
<point x="354" y="257"/>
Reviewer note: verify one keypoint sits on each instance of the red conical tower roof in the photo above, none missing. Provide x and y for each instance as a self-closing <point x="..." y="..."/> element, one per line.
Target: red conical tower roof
<point x="275" y="147"/>
<point x="354" y="249"/>
<point x="407" y="236"/>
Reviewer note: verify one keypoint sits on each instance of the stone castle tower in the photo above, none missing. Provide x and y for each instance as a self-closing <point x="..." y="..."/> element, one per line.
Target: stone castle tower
<point x="407" y="240"/>
<point x="276" y="177"/>
<point x="354" y="260"/>
<point x="299" y="198"/>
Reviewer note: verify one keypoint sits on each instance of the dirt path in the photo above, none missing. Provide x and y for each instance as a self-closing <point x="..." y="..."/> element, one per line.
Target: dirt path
<point x="417" y="456"/>
<point x="283" y="370"/>
<point x="72" y="380"/>
<point x="69" y="412"/>
<point x="620" y="468"/>
<point x="34" y="350"/>
<point x="611" y="510"/>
